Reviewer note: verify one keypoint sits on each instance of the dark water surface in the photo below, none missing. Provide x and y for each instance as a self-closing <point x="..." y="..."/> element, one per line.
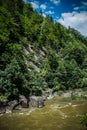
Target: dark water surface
<point x="56" y="115"/>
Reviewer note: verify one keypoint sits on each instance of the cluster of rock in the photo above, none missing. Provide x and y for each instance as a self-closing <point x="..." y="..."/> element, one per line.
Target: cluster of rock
<point x="34" y="62"/>
<point x="72" y="93"/>
<point x="9" y="106"/>
<point x="33" y="101"/>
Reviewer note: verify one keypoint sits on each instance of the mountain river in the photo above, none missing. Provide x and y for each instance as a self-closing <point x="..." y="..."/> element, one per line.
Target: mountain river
<point x="56" y="115"/>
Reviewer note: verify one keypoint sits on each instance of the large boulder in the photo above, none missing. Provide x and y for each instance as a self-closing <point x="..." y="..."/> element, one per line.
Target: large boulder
<point x="36" y="101"/>
<point x="11" y="105"/>
<point x="23" y="101"/>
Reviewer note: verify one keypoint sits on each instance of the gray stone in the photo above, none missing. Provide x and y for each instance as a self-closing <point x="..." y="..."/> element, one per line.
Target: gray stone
<point x="11" y="105"/>
<point x="36" y="101"/>
<point x="76" y="92"/>
<point x="67" y="94"/>
<point x="23" y="101"/>
<point x="18" y="107"/>
<point x="35" y="67"/>
<point x="49" y="94"/>
<point x="72" y="93"/>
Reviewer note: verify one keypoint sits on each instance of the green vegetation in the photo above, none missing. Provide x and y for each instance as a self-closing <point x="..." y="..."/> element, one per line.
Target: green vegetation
<point x="36" y="53"/>
<point x="83" y="119"/>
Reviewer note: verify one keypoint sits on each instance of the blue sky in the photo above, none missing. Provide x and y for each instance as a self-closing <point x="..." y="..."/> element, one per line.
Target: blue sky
<point x="68" y="12"/>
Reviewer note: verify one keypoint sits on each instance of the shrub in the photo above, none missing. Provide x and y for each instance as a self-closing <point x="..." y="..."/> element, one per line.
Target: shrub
<point x="83" y="119"/>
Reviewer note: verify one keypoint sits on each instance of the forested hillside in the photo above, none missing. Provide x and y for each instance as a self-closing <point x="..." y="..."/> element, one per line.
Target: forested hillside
<point x="36" y="53"/>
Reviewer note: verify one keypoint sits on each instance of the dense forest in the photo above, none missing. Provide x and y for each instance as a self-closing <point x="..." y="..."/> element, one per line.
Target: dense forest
<point x="36" y="53"/>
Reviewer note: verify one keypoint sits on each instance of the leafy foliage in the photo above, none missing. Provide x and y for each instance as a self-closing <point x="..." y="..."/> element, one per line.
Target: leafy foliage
<point x="83" y="119"/>
<point x="62" y="64"/>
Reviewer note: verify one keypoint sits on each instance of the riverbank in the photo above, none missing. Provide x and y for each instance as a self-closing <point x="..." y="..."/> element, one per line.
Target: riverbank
<point x="39" y="101"/>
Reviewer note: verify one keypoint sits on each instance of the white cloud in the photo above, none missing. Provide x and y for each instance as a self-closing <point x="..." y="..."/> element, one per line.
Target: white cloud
<point x="76" y="20"/>
<point x="44" y="15"/>
<point x="49" y="12"/>
<point x="43" y="6"/>
<point x="35" y="4"/>
<point x="76" y="8"/>
<point x="80" y="8"/>
<point x="84" y="3"/>
<point x="56" y="2"/>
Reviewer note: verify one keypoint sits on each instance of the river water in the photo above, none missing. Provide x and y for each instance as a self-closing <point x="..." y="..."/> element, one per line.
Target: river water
<point x="56" y="115"/>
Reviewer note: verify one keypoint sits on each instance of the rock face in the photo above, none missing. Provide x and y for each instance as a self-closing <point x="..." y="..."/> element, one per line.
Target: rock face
<point x="23" y="101"/>
<point x="36" y="101"/>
